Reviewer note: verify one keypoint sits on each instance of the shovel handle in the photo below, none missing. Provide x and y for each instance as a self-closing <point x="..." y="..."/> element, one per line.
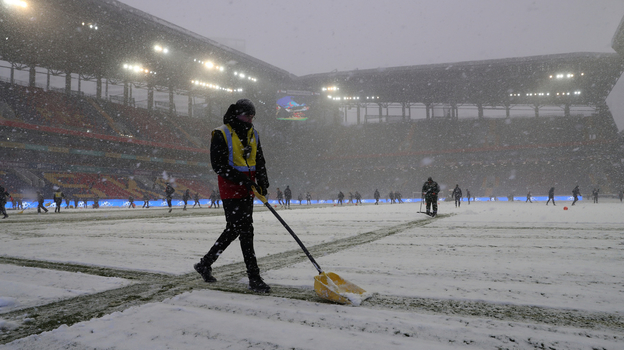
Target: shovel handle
<point x="292" y="233"/>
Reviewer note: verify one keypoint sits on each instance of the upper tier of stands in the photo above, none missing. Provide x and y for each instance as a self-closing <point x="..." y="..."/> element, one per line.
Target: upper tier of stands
<point x="33" y="105"/>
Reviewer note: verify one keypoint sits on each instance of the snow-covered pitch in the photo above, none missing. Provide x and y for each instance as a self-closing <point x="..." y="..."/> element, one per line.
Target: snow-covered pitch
<point x="489" y="275"/>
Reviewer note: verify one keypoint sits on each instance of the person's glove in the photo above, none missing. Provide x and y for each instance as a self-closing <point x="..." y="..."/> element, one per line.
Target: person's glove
<point x="262" y="190"/>
<point x="250" y="185"/>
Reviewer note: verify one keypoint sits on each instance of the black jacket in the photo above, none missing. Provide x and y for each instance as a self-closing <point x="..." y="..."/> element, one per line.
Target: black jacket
<point x="288" y="193"/>
<point x="219" y="154"/>
<point x="457" y="192"/>
<point x="430" y="189"/>
<point x="169" y="191"/>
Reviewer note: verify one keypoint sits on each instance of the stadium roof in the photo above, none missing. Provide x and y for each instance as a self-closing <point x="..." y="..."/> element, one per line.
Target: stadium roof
<point x="101" y="37"/>
<point x="536" y="79"/>
<point x="106" y="38"/>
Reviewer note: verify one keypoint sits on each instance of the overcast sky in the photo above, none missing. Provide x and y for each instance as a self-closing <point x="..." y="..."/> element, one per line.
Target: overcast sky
<point x="305" y="37"/>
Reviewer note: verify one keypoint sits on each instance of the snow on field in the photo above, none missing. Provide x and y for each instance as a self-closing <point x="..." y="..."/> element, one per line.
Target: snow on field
<point x="494" y="256"/>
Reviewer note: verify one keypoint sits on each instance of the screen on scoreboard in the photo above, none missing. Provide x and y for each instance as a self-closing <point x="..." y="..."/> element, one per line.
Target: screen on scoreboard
<point x="295" y="104"/>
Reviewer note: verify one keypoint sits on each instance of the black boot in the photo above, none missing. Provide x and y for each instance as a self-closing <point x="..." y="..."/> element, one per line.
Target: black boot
<point x="257" y="284"/>
<point x="205" y="272"/>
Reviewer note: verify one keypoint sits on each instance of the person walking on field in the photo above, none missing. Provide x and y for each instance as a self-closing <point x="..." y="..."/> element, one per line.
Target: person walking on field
<point x="146" y="200"/>
<point x="169" y="190"/>
<point x="40" y="205"/>
<point x="376" y="196"/>
<point x="236" y="156"/>
<point x="4" y="194"/>
<point x="358" y="198"/>
<point x="58" y="200"/>
<point x="576" y="192"/>
<point x="457" y="195"/>
<point x="130" y="201"/>
<point x="196" y="199"/>
<point x="430" y="191"/>
<point x="280" y="197"/>
<point x="551" y="195"/>
<point x="468" y="195"/>
<point x="288" y="196"/>
<point x="340" y="197"/>
<point x="595" y="194"/>
<point x="308" y="198"/>
<point x="213" y="199"/>
<point x="621" y="195"/>
<point x="185" y="197"/>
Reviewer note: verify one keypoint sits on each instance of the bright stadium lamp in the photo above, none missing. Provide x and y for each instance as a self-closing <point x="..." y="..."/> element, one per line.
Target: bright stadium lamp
<point x="17" y="3"/>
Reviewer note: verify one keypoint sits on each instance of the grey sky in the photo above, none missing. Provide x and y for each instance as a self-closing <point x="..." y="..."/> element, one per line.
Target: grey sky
<point x="305" y="37"/>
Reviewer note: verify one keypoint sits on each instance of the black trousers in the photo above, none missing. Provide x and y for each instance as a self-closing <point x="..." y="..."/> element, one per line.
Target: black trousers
<point x="432" y="201"/>
<point x="239" y="224"/>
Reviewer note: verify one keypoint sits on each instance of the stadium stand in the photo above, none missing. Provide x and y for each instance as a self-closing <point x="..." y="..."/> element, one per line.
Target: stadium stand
<point x="94" y="144"/>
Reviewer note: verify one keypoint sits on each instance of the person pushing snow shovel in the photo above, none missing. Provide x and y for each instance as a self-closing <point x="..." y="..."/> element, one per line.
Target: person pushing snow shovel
<point x="430" y="191"/>
<point x="236" y="156"/>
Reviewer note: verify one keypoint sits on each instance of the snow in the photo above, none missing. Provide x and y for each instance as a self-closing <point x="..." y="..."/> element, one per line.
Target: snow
<point x="509" y="275"/>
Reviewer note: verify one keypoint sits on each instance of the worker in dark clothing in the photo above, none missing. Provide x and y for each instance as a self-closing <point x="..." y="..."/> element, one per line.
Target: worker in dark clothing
<point x="621" y="195"/>
<point x="40" y="205"/>
<point x="196" y="199"/>
<point x="551" y="196"/>
<point x="528" y="198"/>
<point x="213" y="199"/>
<point x="146" y="200"/>
<point x="397" y="197"/>
<point x="391" y="196"/>
<point x="576" y="192"/>
<point x="308" y="198"/>
<point x="468" y="195"/>
<point x="169" y="190"/>
<point x="58" y="200"/>
<point x="595" y="194"/>
<point x="3" y="200"/>
<point x="457" y="195"/>
<point x="131" y="201"/>
<point x="300" y="198"/>
<point x="287" y="196"/>
<point x="185" y="197"/>
<point x="376" y="196"/>
<point x="75" y="202"/>
<point x="340" y="197"/>
<point x="430" y="191"/>
<point x="236" y="156"/>
<point x="280" y="197"/>
<point x="358" y="198"/>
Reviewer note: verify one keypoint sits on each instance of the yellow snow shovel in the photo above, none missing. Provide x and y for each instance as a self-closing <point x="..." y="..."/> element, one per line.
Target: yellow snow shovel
<point x="327" y="285"/>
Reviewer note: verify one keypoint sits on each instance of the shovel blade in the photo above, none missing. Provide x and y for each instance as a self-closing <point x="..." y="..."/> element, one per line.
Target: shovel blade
<point x="330" y="286"/>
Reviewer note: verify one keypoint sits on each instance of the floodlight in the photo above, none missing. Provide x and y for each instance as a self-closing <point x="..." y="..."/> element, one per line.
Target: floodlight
<point x="209" y="65"/>
<point x="17" y="3"/>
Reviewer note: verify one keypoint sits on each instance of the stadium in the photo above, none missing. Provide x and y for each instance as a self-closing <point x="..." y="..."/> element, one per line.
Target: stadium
<point x="105" y="101"/>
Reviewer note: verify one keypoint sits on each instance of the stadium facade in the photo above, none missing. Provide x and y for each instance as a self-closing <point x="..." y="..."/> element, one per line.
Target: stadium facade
<point x="104" y="100"/>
